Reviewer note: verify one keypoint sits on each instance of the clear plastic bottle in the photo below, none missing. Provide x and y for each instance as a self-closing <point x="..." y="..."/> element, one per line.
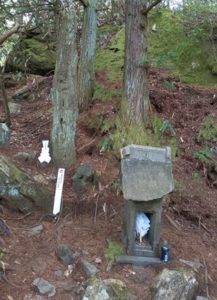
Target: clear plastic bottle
<point x="165" y="251"/>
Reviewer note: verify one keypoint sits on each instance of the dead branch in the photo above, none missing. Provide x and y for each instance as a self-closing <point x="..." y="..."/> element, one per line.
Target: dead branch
<point x="9" y="33"/>
<point x="152" y="5"/>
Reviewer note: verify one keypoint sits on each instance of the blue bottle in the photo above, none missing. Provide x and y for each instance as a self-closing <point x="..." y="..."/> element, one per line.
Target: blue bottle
<point x="165" y="251"/>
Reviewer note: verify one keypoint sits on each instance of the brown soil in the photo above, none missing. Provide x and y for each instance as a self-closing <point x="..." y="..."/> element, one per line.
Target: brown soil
<point x="189" y="217"/>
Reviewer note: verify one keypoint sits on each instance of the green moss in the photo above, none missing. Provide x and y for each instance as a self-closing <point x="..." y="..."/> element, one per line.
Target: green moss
<point x="209" y="130"/>
<point x="104" y="94"/>
<point x="113" y="250"/>
<point x="169" y="47"/>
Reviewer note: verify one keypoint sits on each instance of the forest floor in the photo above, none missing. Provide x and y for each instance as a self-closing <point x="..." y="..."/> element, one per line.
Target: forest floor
<point x="189" y="219"/>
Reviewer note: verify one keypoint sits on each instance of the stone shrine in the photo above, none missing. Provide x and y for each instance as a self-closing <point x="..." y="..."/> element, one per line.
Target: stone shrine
<point x="146" y="178"/>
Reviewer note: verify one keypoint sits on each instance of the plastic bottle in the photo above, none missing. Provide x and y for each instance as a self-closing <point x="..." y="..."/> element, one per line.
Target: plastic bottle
<point x="165" y="250"/>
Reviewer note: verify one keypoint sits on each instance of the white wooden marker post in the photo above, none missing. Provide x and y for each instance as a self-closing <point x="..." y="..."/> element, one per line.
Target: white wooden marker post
<point x="58" y="192"/>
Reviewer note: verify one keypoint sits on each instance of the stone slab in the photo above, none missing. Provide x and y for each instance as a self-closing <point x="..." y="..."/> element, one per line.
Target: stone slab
<point x="138" y="260"/>
<point x="146" y="172"/>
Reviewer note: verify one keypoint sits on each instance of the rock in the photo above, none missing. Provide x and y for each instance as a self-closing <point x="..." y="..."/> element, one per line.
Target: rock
<point x="109" y="289"/>
<point x="202" y="298"/>
<point x="148" y="169"/>
<point x="20" y="191"/>
<point x="26" y="156"/>
<point x="174" y="285"/>
<point x="33" y="55"/>
<point x="14" y="107"/>
<point x="35" y="230"/>
<point x="44" y="287"/>
<point x="39" y="266"/>
<point x="84" y="176"/>
<point x="89" y="269"/>
<point x="4" y="134"/>
<point x="65" y="254"/>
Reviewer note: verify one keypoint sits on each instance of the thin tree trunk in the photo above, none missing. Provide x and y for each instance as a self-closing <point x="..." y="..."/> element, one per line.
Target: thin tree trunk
<point x="136" y="91"/>
<point x="64" y="92"/>
<point x="5" y="102"/>
<point x="86" y="73"/>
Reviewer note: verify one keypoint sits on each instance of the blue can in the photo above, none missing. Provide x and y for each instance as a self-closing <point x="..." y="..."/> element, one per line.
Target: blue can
<point x="165" y="251"/>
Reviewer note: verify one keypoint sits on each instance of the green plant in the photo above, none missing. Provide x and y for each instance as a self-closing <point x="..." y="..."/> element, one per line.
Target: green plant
<point x="113" y="250"/>
<point x="204" y="155"/>
<point x="209" y="130"/>
<point x="169" y="85"/>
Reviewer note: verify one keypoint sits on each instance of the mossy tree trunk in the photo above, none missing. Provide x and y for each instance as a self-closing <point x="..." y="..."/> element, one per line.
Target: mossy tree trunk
<point x="136" y="92"/>
<point x="64" y="91"/>
<point x="86" y="73"/>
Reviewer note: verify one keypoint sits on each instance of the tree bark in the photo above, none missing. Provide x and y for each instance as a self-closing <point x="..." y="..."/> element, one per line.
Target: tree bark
<point x="64" y="92"/>
<point x="136" y="90"/>
<point x="5" y="102"/>
<point x="86" y="72"/>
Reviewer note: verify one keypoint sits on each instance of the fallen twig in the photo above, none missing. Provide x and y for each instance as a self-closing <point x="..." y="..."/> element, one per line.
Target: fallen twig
<point x="173" y="223"/>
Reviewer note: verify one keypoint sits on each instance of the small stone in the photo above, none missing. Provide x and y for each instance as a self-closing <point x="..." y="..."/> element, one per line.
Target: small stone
<point x="44" y="287"/>
<point x="14" y="107"/>
<point x="4" y="134"/>
<point x="26" y="156"/>
<point x="69" y="271"/>
<point x="89" y="269"/>
<point x="59" y="274"/>
<point x="65" y="254"/>
<point x="84" y="176"/>
<point x="35" y="230"/>
<point x="98" y="260"/>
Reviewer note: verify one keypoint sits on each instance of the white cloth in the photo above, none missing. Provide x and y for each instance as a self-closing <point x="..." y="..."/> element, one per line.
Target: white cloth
<point x="142" y="225"/>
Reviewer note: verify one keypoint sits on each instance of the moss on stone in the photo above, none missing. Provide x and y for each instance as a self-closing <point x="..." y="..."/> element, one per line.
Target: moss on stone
<point x="31" y="56"/>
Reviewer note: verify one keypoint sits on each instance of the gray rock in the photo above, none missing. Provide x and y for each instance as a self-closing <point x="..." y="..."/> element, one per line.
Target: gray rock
<point x="4" y="134"/>
<point x="14" y="107"/>
<point x="44" y="287"/>
<point x="84" y="176"/>
<point x="89" y="269"/>
<point x="174" y="285"/>
<point x="20" y="191"/>
<point x="35" y="230"/>
<point x="109" y="289"/>
<point x="202" y="298"/>
<point x="148" y="169"/>
<point x="59" y="274"/>
<point x="65" y="254"/>
<point x="26" y="156"/>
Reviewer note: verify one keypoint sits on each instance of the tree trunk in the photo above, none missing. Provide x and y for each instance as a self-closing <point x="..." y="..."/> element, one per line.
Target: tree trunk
<point x="86" y="74"/>
<point x="64" y="92"/>
<point x="5" y="102"/>
<point x="136" y="64"/>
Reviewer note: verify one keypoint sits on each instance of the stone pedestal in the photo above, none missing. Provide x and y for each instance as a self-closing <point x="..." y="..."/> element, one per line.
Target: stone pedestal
<point x="146" y="179"/>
